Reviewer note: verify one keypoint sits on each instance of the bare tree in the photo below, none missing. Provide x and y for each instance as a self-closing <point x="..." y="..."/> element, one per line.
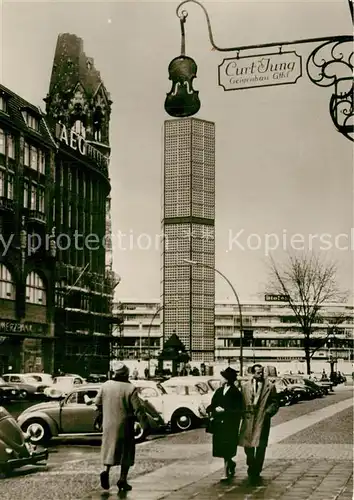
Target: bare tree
<point x="307" y="283"/>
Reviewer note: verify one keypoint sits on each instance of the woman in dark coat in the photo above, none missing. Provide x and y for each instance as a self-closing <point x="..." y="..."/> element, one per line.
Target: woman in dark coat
<point x="225" y="414"/>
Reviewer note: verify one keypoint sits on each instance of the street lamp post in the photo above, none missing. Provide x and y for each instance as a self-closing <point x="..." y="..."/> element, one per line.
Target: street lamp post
<point x="195" y="263"/>
<point x="149" y="330"/>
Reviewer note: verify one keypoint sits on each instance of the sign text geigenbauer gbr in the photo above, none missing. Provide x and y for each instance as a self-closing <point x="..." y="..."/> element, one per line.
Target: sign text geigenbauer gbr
<point x="260" y="71"/>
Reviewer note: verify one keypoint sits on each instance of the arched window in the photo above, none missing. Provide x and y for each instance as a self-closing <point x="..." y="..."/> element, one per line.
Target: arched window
<point x="7" y="286"/>
<point x="35" y="290"/>
<point x="98" y="135"/>
<point x="79" y="128"/>
<point x="97" y="124"/>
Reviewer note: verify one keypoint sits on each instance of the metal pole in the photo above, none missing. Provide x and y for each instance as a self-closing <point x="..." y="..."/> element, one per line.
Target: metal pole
<point x="237" y="300"/>
<point x="149" y="330"/>
<point x="140" y="334"/>
<point x="240" y="314"/>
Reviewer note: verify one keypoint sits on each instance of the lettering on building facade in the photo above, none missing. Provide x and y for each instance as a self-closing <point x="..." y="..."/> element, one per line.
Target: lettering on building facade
<point x="265" y="70"/>
<point x="272" y="297"/>
<point x="14" y="327"/>
<point x="76" y="142"/>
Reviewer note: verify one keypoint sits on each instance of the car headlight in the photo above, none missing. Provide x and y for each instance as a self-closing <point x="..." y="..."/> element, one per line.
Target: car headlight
<point x="13" y="392"/>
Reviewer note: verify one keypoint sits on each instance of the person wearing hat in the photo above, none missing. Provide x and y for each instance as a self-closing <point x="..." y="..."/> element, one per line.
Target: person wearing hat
<point x="261" y="404"/>
<point x="120" y="405"/>
<point x="225" y="413"/>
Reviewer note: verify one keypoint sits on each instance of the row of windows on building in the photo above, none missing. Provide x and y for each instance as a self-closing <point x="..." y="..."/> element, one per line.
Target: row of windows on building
<point x="33" y="157"/>
<point x="77" y="216"/>
<point x="274" y="320"/>
<point x="83" y="349"/>
<point x="139" y="342"/>
<point x="33" y="121"/>
<point x="175" y="209"/>
<point x="82" y="301"/>
<point x="33" y="193"/>
<point x="75" y="180"/>
<point x="283" y="343"/>
<point x="29" y="117"/>
<point x="34" y="199"/>
<point x="35" y="289"/>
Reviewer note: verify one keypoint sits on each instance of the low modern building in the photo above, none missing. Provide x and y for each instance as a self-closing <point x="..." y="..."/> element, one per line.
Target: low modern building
<point x="271" y="334"/>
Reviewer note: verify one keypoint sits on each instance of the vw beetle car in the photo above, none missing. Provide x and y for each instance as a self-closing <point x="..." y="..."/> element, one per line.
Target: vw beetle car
<point x="184" y="403"/>
<point x="73" y="416"/>
<point x="15" y="447"/>
<point x="62" y="386"/>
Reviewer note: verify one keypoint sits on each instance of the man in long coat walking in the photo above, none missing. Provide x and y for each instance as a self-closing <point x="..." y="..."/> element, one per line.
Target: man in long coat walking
<point x="120" y="404"/>
<point x="260" y="405"/>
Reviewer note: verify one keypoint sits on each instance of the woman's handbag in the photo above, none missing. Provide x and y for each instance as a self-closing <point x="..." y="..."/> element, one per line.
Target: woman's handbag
<point x="210" y="425"/>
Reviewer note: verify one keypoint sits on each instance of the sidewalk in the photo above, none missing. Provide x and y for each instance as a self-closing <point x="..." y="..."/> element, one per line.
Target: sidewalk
<point x="293" y="471"/>
<point x="282" y="479"/>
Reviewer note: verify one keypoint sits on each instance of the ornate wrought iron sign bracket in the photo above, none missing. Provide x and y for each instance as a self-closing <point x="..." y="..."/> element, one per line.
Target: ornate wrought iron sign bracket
<point x="330" y="64"/>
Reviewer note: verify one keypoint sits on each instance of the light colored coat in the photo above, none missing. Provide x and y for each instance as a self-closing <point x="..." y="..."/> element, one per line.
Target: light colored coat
<point x="120" y="403"/>
<point x="255" y="425"/>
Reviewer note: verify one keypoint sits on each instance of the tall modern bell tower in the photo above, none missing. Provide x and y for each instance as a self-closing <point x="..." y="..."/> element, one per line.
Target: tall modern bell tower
<point x="188" y="225"/>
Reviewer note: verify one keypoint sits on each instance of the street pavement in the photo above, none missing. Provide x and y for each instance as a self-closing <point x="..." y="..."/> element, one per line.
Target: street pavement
<point x="310" y="456"/>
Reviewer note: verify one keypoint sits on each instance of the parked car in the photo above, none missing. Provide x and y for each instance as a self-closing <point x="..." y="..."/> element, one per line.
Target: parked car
<point x="16" y="449"/>
<point x="323" y="383"/>
<point x="304" y="392"/>
<point x="286" y="394"/>
<point x="319" y="391"/>
<point x="9" y="392"/>
<point x="183" y="406"/>
<point x="323" y="390"/>
<point x="213" y="382"/>
<point x="62" y="386"/>
<point x="43" y="378"/>
<point x="73" y="415"/>
<point x="96" y="378"/>
<point x="29" y="386"/>
<point x="73" y="375"/>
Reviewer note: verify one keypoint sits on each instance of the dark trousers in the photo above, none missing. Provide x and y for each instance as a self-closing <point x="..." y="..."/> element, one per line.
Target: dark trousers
<point x="255" y="459"/>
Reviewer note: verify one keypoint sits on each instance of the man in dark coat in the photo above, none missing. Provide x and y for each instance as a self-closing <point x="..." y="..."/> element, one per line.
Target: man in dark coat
<point x="120" y="404"/>
<point x="225" y="410"/>
<point x="260" y="404"/>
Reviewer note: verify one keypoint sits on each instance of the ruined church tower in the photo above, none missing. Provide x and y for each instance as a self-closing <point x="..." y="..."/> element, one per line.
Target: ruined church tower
<point x="77" y="96"/>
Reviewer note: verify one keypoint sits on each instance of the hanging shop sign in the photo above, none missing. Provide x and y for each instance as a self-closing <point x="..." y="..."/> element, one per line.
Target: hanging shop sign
<point x="265" y="70"/>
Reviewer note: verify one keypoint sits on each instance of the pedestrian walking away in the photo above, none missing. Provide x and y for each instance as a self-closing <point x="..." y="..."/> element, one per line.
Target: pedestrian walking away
<point x="120" y="405"/>
<point x="260" y="405"/>
<point x="225" y="413"/>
